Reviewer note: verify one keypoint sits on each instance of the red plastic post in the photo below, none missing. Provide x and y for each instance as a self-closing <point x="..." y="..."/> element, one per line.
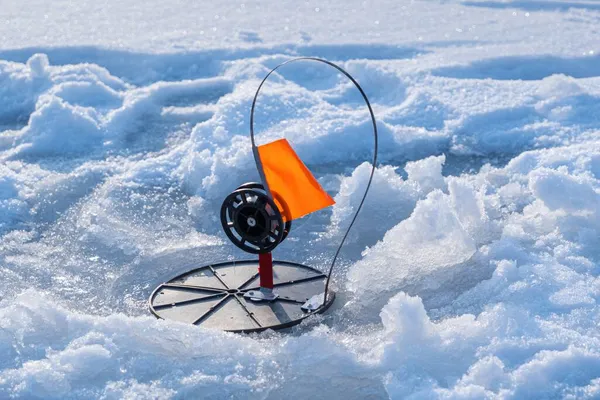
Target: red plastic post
<point x="265" y="270"/>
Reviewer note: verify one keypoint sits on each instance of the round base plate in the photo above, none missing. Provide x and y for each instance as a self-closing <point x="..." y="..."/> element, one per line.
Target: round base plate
<point x="212" y="296"/>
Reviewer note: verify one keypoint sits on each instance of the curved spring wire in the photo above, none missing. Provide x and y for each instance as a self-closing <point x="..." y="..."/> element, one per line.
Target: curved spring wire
<point x="261" y="172"/>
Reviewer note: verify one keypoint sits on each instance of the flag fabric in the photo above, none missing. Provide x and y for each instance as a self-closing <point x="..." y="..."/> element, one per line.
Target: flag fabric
<point x="289" y="180"/>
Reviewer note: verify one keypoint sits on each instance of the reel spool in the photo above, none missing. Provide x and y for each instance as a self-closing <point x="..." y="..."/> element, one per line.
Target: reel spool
<point x="252" y="220"/>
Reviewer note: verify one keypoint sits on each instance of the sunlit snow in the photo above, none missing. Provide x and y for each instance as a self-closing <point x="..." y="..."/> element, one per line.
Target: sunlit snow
<point x="473" y="271"/>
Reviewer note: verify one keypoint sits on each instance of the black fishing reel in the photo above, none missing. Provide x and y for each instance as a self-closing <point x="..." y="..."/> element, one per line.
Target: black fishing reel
<point x="252" y="220"/>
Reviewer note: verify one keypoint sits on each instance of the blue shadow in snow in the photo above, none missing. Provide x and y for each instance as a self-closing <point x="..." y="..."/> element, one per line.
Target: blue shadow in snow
<point x="144" y="68"/>
<point x="534" y="5"/>
<point x="524" y="68"/>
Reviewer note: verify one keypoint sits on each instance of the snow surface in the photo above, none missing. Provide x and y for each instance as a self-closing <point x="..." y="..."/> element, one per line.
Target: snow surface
<point x="472" y="273"/>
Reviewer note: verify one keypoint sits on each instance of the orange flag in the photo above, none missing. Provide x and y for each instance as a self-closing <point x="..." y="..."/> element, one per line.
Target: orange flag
<point x="289" y="180"/>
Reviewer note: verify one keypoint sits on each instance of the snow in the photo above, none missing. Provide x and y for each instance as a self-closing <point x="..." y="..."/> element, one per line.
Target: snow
<point x="473" y="271"/>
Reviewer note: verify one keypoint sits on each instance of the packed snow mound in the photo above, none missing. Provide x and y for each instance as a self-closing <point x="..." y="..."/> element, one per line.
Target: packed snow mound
<point x="472" y="271"/>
